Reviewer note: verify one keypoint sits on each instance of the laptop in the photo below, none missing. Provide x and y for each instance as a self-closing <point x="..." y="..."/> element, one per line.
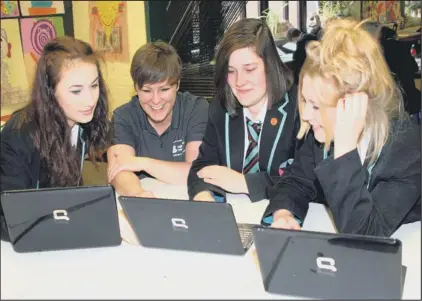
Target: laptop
<point x="187" y="225"/>
<point x="329" y="266"/>
<point x="61" y="218"/>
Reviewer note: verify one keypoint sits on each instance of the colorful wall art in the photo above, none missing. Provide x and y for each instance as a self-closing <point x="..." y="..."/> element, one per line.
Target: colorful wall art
<point x="9" y="9"/>
<point x="36" y="32"/>
<point x="14" y="84"/>
<point x="381" y="11"/>
<point x="108" y="29"/>
<point x="39" y="8"/>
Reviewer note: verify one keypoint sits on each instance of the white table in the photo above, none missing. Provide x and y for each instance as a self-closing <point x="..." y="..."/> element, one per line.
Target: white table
<point x="137" y="272"/>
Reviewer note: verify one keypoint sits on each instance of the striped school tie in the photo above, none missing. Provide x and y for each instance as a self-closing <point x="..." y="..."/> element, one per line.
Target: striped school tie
<point x="251" y="164"/>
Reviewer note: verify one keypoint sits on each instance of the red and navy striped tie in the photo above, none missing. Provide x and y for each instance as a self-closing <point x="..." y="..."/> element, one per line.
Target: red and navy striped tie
<point x="251" y="163"/>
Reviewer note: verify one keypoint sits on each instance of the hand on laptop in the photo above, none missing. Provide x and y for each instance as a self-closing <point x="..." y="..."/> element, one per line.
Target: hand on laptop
<point x="284" y="219"/>
<point x="204" y="196"/>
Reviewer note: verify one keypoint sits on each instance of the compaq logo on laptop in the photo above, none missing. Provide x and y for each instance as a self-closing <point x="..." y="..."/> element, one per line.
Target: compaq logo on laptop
<point x="179" y="223"/>
<point x="326" y="263"/>
<point x="60" y="215"/>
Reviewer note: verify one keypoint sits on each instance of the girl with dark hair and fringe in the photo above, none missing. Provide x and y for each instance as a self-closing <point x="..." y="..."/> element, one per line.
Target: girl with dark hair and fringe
<point x="66" y="120"/>
<point x="250" y="135"/>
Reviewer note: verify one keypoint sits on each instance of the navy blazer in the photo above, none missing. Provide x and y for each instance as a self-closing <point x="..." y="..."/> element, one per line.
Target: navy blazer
<point x="224" y="142"/>
<point x="370" y="199"/>
<point x="20" y="164"/>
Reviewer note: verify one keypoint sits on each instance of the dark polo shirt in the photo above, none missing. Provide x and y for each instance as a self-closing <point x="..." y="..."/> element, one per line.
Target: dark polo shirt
<point x="189" y="119"/>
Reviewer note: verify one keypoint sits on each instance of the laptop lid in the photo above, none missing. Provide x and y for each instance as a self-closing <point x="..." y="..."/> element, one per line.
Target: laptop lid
<point x="184" y="225"/>
<point x="61" y="218"/>
<point x="328" y="266"/>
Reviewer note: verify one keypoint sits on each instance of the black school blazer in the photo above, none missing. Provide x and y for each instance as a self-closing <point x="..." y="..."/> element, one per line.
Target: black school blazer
<point x="20" y="164"/>
<point x="369" y="199"/>
<point x="224" y="141"/>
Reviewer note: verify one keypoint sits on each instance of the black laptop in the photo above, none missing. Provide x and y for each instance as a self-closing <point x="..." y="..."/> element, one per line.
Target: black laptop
<point x="187" y="225"/>
<point x="61" y="218"/>
<point x="329" y="266"/>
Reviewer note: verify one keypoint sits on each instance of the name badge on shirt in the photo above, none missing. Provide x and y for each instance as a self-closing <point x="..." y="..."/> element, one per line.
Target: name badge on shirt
<point x="178" y="148"/>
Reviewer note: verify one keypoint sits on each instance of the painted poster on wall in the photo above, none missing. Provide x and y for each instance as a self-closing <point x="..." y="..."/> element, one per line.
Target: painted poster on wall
<point x="382" y="11"/>
<point x="40" y="8"/>
<point x="36" y="32"/>
<point x="108" y="29"/>
<point x="9" y="9"/>
<point x="14" y="84"/>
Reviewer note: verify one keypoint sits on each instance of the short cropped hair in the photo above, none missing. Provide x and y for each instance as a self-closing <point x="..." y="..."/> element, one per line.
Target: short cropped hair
<point x="155" y="62"/>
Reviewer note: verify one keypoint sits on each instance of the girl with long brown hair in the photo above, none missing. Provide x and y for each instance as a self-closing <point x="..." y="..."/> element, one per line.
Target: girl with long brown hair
<point x="66" y="120"/>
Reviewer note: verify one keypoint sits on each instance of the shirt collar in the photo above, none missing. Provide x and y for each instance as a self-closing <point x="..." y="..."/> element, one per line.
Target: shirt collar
<point x="74" y="135"/>
<point x="261" y="115"/>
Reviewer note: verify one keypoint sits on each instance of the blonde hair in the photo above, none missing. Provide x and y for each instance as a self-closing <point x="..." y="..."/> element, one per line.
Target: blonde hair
<point x="352" y="59"/>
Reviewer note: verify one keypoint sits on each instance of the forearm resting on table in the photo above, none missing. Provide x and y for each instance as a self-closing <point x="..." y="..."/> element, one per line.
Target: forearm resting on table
<point x="168" y="172"/>
<point x="127" y="183"/>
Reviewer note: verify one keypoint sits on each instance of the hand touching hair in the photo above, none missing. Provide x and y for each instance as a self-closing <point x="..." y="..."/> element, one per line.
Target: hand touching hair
<point x="352" y="59"/>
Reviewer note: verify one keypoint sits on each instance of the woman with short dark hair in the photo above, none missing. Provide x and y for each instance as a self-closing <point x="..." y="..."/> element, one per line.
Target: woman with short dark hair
<point x="158" y="132"/>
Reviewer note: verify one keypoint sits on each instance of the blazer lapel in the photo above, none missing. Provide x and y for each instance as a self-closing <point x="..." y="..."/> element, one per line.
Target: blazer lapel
<point x="271" y="134"/>
<point x="237" y="141"/>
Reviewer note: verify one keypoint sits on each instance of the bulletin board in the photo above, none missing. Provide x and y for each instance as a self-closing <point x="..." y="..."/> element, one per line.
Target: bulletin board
<point x="26" y="26"/>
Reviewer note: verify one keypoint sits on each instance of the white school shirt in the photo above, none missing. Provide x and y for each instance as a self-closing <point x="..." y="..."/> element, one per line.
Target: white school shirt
<point x="74" y="135"/>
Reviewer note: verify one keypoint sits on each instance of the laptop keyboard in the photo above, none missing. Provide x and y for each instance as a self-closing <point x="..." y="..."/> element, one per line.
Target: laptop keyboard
<point x="245" y="231"/>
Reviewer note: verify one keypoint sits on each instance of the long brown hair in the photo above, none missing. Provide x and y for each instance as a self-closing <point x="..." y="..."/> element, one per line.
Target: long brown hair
<point x="49" y="128"/>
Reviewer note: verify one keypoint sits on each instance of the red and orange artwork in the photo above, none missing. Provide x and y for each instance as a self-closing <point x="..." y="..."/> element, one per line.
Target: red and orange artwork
<point x="382" y="11"/>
